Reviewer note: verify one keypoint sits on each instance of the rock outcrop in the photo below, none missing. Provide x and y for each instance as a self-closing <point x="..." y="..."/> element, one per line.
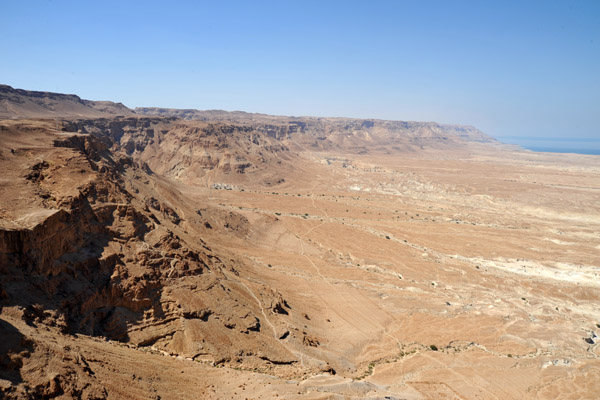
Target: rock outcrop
<point x="19" y="103"/>
<point x="340" y="133"/>
<point x="102" y="253"/>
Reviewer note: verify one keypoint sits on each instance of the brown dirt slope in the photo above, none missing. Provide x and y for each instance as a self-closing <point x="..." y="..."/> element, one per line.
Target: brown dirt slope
<point x="101" y="247"/>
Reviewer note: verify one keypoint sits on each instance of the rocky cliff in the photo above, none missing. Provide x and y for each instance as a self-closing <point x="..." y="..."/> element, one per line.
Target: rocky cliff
<point x="193" y="151"/>
<point x="19" y="103"/>
<point x="339" y="133"/>
<point x="101" y="248"/>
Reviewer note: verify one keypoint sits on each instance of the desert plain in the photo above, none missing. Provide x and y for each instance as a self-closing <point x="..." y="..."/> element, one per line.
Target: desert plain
<point x="170" y="255"/>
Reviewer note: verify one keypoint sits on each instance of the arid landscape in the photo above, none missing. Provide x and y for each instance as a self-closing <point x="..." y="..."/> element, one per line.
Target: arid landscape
<point x="156" y="253"/>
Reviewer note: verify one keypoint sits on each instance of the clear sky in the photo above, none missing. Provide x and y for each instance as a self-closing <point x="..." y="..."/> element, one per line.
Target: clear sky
<point x="511" y="68"/>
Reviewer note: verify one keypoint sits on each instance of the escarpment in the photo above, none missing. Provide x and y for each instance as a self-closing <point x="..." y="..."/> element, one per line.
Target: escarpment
<point x="189" y="151"/>
<point x="19" y="103"/>
<point x="100" y="250"/>
<point x="347" y="134"/>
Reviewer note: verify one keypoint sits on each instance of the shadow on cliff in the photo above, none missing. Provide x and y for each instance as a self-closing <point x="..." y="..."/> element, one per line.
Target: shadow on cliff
<point x="13" y="347"/>
<point x="68" y="269"/>
<point x="74" y="292"/>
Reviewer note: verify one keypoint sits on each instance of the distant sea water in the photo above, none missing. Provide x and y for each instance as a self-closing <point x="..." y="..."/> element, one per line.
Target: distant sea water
<point x="556" y="145"/>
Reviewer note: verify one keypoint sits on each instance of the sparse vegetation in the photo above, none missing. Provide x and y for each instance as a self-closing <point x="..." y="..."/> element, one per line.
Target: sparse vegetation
<point x="368" y="372"/>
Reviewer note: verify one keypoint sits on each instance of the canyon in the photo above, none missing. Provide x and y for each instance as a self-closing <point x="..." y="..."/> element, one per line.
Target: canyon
<point x="182" y="254"/>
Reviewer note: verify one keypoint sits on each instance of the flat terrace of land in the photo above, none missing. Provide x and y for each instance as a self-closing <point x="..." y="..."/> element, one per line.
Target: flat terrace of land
<point x="457" y="278"/>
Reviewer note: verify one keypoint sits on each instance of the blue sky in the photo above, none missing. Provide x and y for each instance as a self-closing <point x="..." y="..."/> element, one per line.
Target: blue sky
<point x="523" y="68"/>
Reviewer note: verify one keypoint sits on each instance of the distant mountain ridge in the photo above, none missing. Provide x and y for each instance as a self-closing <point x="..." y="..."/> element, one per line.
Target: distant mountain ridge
<point x="19" y="103"/>
<point x="359" y="131"/>
<point x="317" y="133"/>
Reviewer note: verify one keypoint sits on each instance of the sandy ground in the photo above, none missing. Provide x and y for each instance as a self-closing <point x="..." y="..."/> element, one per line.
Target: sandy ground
<point x="437" y="279"/>
<point x="430" y="277"/>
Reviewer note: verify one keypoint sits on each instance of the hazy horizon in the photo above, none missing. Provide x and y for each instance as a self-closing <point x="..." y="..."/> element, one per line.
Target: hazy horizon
<point x="509" y="69"/>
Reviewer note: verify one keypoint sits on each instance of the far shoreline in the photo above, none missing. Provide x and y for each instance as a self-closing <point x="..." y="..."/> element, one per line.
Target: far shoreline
<point x="587" y="146"/>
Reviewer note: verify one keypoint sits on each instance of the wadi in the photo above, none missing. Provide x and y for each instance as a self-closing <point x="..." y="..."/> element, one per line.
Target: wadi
<point x="156" y="253"/>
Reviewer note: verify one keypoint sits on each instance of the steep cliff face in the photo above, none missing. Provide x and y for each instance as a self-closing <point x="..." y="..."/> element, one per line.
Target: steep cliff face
<point x="265" y="147"/>
<point x="347" y="134"/>
<point x="100" y="250"/>
<point x="19" y="103"/>
<point x="194" y="150"/>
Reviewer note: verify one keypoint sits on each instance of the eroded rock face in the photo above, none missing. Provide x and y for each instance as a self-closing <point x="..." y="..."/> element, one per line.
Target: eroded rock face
<point x="35" y="370"/>
<point x="228" y="146"/>
<point x="26" y="103"/>
<point x="346" y="133"/>
<point x="188" y="150"/>
<point x="102" y="254"/>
